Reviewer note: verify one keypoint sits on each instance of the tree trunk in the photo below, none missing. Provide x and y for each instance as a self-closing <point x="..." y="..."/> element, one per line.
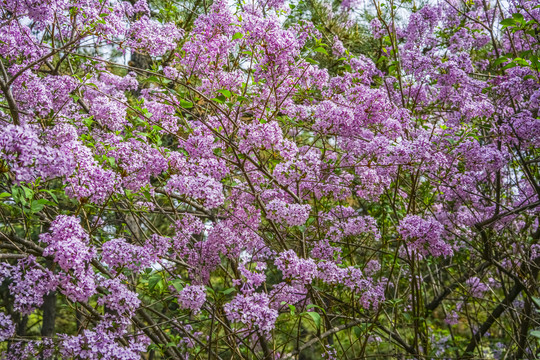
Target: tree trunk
<point x="49" y="317"/>
<point x="49" y="314"/>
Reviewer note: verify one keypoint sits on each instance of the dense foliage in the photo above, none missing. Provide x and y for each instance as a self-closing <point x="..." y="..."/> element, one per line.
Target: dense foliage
<point x="269" y="179"/>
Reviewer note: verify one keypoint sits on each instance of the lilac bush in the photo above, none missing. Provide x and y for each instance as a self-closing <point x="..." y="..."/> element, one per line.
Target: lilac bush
<point x="240" y="180"/>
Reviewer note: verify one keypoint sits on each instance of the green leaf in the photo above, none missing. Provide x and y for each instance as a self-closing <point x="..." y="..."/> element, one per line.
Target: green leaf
<point x="186" y="104"/>
<point x="4" y="194"/>
<point x="316" y="317"/>
<point x="228" y="291"/>
<point x="88" y="121"/>
<point x="237" y="35"/>
<point x="500" y="60"/>
<point x="52" y="195"/>
<point x="29" y="193"/>
<point x="536" y="333"/>
<point x="36" y="207"/>
<point x="518" y="17"/>
<point x="508" y="22"/>
<point x="220" y="99"/>
<point x="311" y="61"/>
<point x="225" y="93"/>
<point x="321" y="50"/>
<point x="177" y="283"/>
<point x="147" y="195"/>
<point x="535" y="63"/>
<point x="293" y="309"/>
<point x="510" y="65"/>
<point x="152" y="78"/>
<point x="521" y="62"/>
<point x="16" y="193"/>
<point x="311" y="306"/>
<point x="153" y="281"/>
<point x="45" y="202"/>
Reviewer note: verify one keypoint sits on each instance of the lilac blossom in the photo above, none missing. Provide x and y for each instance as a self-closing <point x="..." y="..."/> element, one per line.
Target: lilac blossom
<point x="424" y="236"/>
<point x="192" y="297"/>
<point x="253" y="311"/>
<point x="7" y="327"/>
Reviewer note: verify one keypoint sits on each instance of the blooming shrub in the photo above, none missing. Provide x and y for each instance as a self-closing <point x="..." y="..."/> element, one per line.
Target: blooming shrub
<point x="230" y="180"/>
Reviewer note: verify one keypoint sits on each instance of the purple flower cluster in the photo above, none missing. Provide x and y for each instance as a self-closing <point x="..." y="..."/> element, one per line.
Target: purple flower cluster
<point x="293" y="267"/>
<point x="17" y="41"/>
<point x="118" y="254"/>
<point x="68" y="242"/>
<point x="476" y="287"/>
<point x="305" y="271"/>
<point x="150" y="36"/>
<point x="535" y="251"/>
<point x="29" y="283"/>
<point x="289" y="214"/>
<point x="102" y="343"/>
<point x="139" y="161"/>
<point x="452" y="318"/>
<point x="201" y="187"/>
<point x="424" y="236"/>
<point x="90" y="181"/>
<point x="119" y="298"/>
<point x="192" y="297"/>
<point x="28" y="157"/>
<point x="253" y="278"/>
<point x="283" y="294"/>
<point x="253" y="310"/>
<point x="7" y="327"/>
<point x="30" y="349"/>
